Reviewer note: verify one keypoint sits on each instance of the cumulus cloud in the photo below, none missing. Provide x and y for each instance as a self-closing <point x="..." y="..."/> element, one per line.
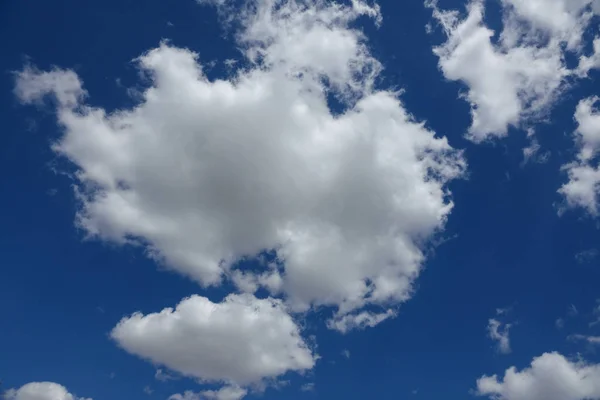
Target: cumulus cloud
<point x="514" y="77"/>
<point x="550" y="377"/>
<point x="241" y="340"/>
<point x="41" y="391"/>
<point x="584" y="175"/>
<point x="499" y="333"/>
<point x="204" y="173"/>
<point x="225" y="393"/>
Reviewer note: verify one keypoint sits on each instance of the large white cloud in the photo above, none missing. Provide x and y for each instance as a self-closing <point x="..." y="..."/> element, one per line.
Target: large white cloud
<point x="205" y="172"/>
<point x="550" y="377"/>
<point x="517" y="77"/>
<point x="242" y="340"/>
<point x="583" y="187"/>
<point x="41" y="391"/>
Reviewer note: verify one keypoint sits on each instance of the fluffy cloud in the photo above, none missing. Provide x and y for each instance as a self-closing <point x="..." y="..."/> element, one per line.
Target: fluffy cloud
<point x="241" y="340"/>
<point x="550" y="377"/>
<point x="225" y="393"/>
<point x="41" y="391"/>
<point x="499" y="334"/>
<point x="203" y="173"/>
<point x="584" y="175"/>
<point x="516" y="78"/>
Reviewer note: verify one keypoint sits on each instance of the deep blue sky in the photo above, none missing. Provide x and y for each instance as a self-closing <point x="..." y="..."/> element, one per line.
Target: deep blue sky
<point x="60" y="295"/>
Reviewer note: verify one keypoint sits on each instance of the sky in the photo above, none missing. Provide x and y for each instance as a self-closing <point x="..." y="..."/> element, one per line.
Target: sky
<point x="300" y="199"/>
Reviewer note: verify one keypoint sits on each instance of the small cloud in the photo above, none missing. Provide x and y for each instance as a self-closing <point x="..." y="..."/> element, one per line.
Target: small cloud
<point x="230" y="62"/>
<point x="148" y="390"/>
<point x="560" y="323"/>
<point x="586" y="256"/>
<point x="346" y="353"/>
<point x="163" y="376"/>
<point x="52" y="192"/>
<point x="595" y="340"/>
<point x="415" y="391"/>
<point x="112" y="375"/>
<point x="308" y="387"/>
<point x="573" y="311"/>
<point x="500" y="334"/>
<point x="169" y="23"/>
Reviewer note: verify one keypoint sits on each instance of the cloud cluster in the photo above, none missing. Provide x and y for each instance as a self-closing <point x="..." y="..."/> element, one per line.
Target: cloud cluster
<point x="550" y="377"/>
<point x="514" y="77"/>
<point x="41" y="391"/>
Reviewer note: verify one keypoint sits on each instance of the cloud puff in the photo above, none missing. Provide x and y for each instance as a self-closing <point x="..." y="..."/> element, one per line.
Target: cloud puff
<point x="499" y="334"/>
<point x="515" y="77"/>
<point x="225" y="393"/>
<point x="203" y="173"/>
<point x="241" y="340"/>
<point x="584" y="176"/>
<point x="41" y="391"/>
<point x="550" y="377"/>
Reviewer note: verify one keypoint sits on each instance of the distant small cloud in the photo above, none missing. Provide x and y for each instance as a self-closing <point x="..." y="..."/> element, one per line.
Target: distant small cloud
<point x="573" y="311"/>
<point x="346" y="353"/>
<point x="560" y="323"/>
<point x="595" y="340"/>
<point x="163" y="376"/>
<point x="112" y="375"/>
<point x="308" y="387"/>
<point x="499" y="333"/>
<point x="148" y="390"/>
<point x="586" y="256"/>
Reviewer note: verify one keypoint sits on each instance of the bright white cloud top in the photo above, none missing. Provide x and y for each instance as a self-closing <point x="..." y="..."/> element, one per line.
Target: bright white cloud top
<point x="41" y="391"/>
<point x="242" y="340"/>
<point x="205" y="172"/>
<point x="550" y="377"/>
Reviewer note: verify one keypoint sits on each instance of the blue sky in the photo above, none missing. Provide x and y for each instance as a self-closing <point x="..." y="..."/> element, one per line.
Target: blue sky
<point x="281" y="154"/>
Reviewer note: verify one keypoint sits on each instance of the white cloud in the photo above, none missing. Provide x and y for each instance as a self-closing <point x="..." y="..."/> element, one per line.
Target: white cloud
<point x="550" y="377"/>
<point x="583" y="186"/>
<point x="241" y="340"/>
<point x="225" y="393"/>
<point x="586" y="338"/>
<point x="362" y="320"/>
<point x="203" y="173"/>
<point x="515" y="79"/>
<point x="587" y="63"/>
<point x="187" y="395"/>
<point x="41" y="391"/>
<point x="163" y="376"/>
<point x="564" y="20"/>
<point x="500" y="334"/>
